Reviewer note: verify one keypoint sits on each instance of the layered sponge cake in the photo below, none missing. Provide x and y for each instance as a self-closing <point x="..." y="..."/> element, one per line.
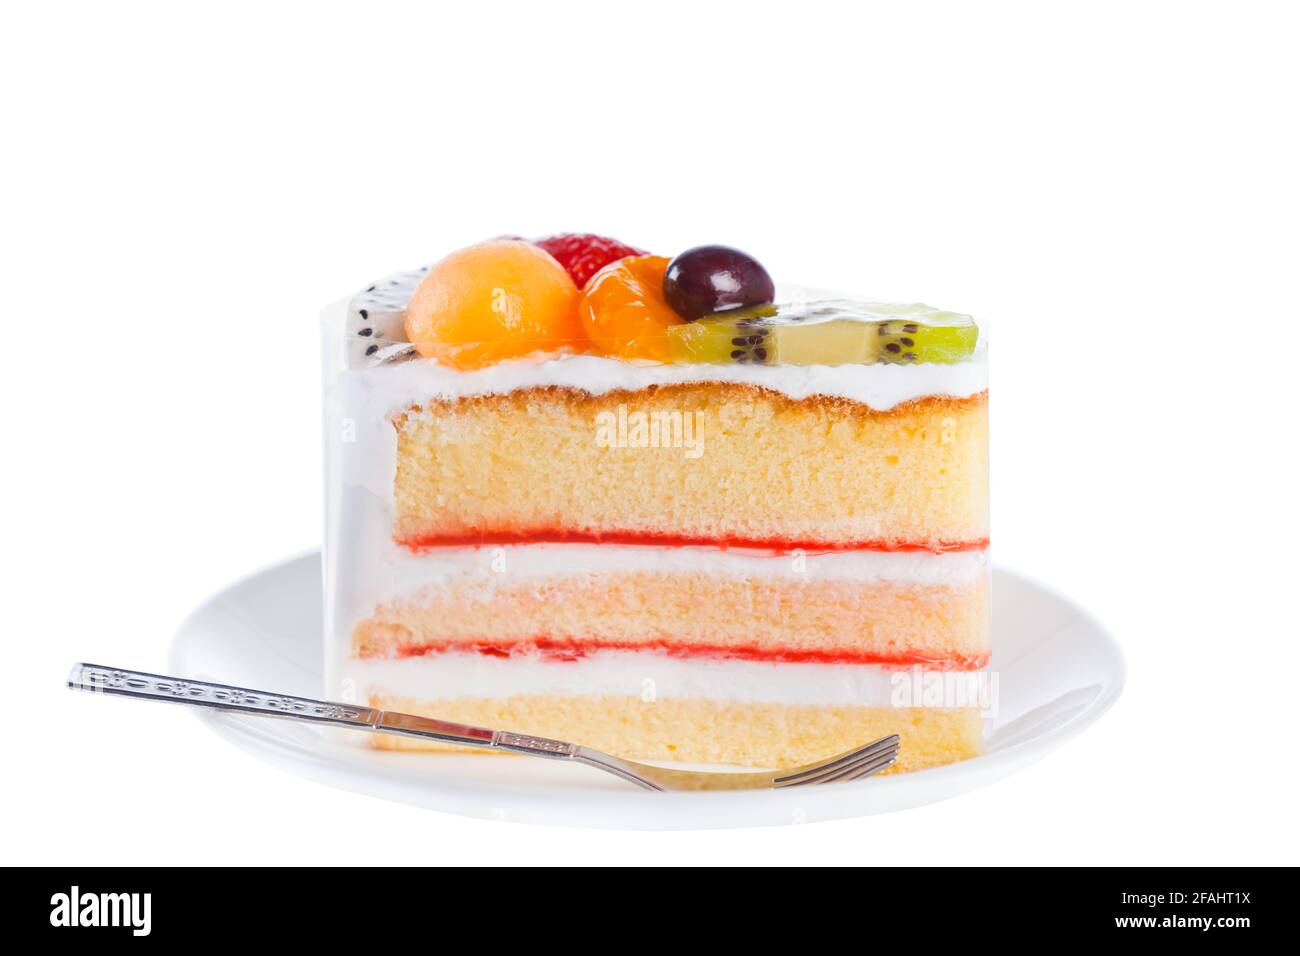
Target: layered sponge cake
<point x="663" y="508"/>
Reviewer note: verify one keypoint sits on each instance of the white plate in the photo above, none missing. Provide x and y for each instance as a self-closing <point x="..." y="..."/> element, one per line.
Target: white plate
<point x="1058" y="671"/>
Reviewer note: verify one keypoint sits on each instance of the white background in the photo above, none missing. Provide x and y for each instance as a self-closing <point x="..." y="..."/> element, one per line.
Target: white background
<point x="1114" y="186"/>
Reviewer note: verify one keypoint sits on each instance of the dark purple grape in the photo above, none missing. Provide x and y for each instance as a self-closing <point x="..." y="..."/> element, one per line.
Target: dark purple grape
<point x="709" y="279"/>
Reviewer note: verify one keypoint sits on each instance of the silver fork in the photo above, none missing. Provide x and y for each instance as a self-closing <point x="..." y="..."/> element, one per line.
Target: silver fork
<point x="96" y="678"/>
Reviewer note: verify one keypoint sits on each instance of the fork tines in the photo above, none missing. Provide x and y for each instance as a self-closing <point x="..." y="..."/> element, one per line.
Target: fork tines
<point x="866" y="760"/>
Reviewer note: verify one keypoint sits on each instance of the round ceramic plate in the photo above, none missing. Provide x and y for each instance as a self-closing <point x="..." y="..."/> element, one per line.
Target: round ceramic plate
<point x="1058" y="671"/>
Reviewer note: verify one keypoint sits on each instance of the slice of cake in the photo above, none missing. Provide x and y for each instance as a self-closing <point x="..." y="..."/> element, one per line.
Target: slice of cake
<point x="676" y="513"/>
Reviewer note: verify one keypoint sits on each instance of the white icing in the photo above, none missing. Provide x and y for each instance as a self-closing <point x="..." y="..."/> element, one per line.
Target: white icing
<point x="624" y="673"/>
<point x="880" y="386"/>
<point x="404" y="573"/>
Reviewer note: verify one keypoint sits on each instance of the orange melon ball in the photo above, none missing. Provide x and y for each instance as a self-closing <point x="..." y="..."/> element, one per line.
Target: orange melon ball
<point x="624" y="311"/>
<point x="496" y="300"/>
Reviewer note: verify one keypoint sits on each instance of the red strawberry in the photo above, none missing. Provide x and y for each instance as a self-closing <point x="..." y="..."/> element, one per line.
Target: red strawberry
<point x="583" y="255"/>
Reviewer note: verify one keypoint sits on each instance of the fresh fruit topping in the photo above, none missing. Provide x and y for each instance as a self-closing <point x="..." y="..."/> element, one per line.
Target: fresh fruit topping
<point x="904" y="341"/>
<point x="710" y="279"/>
<point x="624" y="312"/>
<point x="749" y="339"/>
<point x="375" y="325"/>
<point x="583" y="255"/>
<point x="741" y="337"/>
<point x="496" y="300"/>
<point x="824" y="333"/>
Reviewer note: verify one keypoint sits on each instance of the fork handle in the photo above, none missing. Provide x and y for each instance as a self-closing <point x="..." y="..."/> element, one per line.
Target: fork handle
<point x="117" y="681"/>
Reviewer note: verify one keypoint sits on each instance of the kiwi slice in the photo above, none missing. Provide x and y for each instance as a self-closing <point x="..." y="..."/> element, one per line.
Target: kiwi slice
<point x="823" y="333"/>
<point x="905" y="342"/>
<point x="740" y="338"/>
<point x="759" y="342"/>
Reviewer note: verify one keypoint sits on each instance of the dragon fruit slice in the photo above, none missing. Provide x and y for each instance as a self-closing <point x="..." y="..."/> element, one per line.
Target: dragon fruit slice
<point x="375" y="316"/>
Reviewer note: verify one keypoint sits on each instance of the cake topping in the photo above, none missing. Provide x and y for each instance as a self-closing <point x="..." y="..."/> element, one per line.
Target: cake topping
<point x="944" y="338"/>
<point x="375" y="319"/>
<point x="711" y="279"/>
<point x="583" y="254"/>
<point x="624" y="312"/>
<point x="825" y="333"/>
<point x="495" y="300"/>
<point x="578" y="293"/>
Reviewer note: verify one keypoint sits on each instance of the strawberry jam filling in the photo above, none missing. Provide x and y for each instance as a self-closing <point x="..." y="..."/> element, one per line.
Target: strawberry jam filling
<point x="571" y="650"/>
<point x="668" y="540"/>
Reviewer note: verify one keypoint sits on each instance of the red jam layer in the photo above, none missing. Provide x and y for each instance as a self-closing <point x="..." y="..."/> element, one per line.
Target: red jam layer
<point x="554" y="650"/>
<point x="778" y="545"/>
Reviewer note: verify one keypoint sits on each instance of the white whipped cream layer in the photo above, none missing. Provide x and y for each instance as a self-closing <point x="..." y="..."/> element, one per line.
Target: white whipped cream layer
<point x="489" y="566"/>
<point x="647" y="677"/>
<point x="880" y="387"/>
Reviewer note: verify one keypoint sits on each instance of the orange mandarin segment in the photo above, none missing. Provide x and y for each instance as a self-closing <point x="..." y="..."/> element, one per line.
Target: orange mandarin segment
<point x="492" y="301"/>
<point x="624" y="311"/>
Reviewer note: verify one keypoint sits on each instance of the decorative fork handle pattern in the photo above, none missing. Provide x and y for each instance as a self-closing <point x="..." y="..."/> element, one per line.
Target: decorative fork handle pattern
<point x="100" y="679"/>
<point x="537" y="746"/>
